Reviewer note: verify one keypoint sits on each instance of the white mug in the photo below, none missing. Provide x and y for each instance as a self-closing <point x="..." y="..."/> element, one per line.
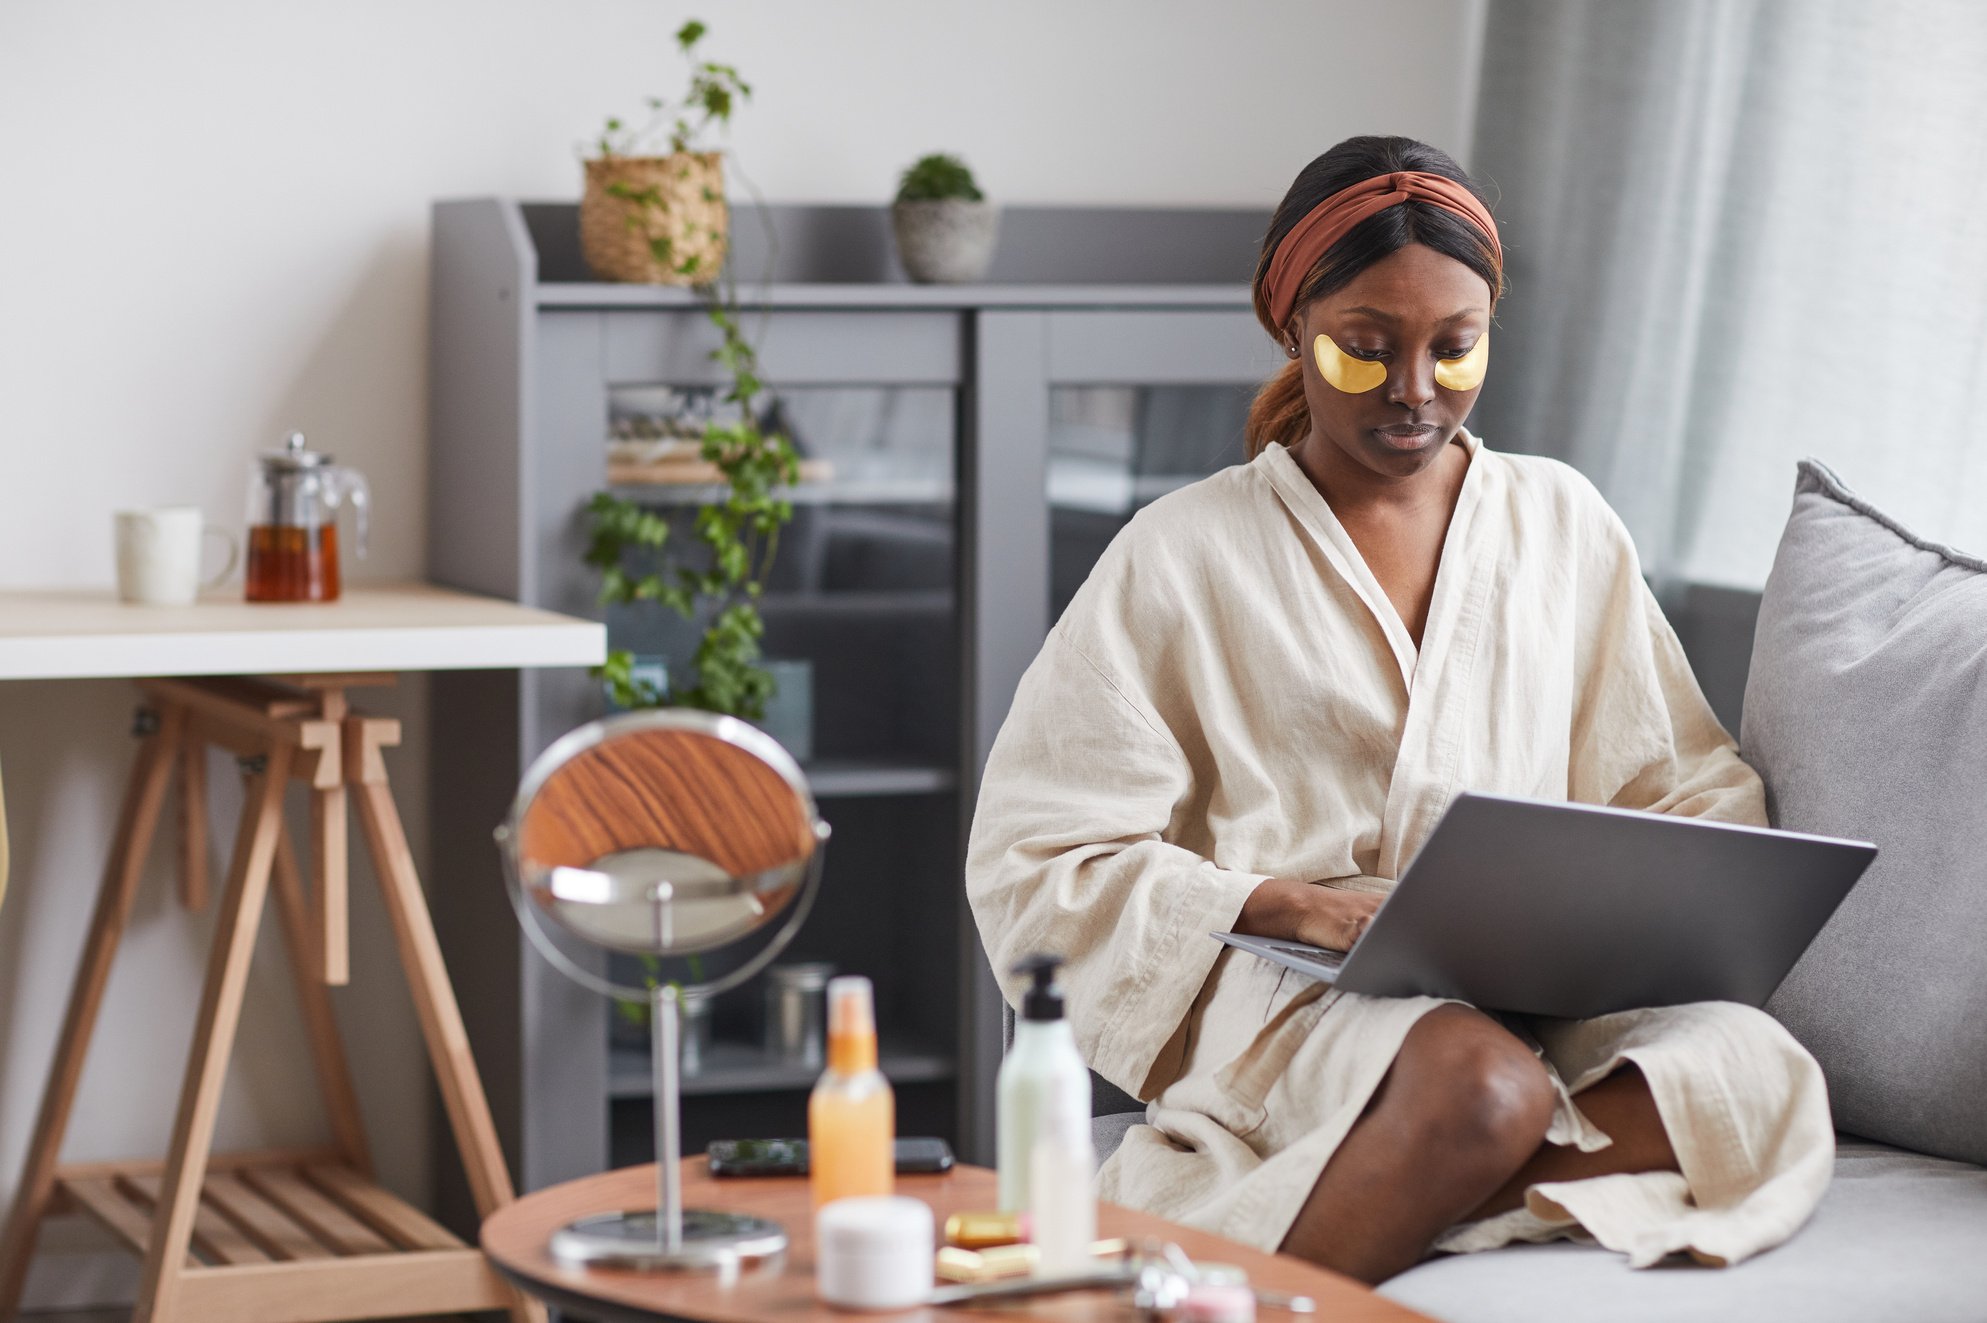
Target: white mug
<point x="158" y="555"/>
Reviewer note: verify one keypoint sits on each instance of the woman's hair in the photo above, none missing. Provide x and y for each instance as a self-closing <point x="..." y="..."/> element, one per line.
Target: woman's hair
<point x="1279" y="413"/>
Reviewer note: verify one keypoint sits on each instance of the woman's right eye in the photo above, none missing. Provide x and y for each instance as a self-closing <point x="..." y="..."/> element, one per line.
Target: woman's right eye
<point x="1370" y="355"/>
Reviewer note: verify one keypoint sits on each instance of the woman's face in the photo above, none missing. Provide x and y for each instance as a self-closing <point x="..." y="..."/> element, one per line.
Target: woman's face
<point x="1406" y="313"/>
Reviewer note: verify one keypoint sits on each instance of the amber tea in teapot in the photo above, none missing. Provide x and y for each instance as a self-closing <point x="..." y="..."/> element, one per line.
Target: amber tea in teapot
<point x="292" y="564"/>
<point x="293" y="501"/>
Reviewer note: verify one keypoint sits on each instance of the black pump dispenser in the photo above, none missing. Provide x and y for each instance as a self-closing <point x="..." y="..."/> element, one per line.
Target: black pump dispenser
<point x="1043" y="1000"/>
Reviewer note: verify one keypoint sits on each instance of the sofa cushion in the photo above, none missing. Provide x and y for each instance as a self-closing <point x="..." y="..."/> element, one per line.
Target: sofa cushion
<point x="1866" y="715"/>
<point x="1898" y="1236"/>
<point x="1108" y="1131"/>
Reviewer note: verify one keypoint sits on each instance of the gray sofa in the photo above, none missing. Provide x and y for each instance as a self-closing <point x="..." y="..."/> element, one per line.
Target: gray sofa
<point x="1865" y="712"/>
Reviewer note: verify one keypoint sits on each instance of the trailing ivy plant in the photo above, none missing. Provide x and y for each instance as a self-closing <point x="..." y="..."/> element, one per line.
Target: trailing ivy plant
<point x="714" y="90"/>
<point x="738" y="531"/>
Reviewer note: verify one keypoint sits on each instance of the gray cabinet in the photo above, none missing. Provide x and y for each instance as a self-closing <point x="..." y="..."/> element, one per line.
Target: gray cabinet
<point x="971" y="450"/>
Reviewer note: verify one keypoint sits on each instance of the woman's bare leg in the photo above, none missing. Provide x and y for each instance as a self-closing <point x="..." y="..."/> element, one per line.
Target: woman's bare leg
<point x="1463" y="1107"/>
<point x="1621" y="1106"/>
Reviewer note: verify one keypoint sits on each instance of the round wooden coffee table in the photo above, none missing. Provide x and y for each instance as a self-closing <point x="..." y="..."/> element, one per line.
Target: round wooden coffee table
<point x="515" y="1238"/>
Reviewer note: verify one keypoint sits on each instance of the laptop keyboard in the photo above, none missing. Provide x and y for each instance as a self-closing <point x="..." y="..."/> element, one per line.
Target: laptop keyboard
<point x="1314" y="954"/>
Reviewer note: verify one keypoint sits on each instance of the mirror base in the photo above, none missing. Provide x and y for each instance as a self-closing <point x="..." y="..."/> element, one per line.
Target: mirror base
<point x="711" y="1241"/>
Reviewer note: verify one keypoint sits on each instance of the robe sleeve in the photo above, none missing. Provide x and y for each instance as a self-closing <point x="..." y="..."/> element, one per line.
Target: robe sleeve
<point x="1068" y="855"/>
<point x="1643" y="736"/>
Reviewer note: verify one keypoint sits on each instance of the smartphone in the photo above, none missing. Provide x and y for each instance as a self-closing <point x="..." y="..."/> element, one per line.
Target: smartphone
<point x="788" y="1157"/>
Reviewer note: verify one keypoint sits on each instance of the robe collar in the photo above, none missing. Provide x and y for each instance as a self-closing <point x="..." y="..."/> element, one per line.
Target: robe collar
<point x="1314" y="513"/>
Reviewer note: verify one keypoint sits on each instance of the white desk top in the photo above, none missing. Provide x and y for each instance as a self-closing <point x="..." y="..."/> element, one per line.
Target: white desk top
<point x="76" y="634"/>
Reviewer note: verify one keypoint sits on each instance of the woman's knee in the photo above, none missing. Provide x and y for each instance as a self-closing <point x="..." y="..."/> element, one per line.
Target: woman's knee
<point x="1469" y="1080"/>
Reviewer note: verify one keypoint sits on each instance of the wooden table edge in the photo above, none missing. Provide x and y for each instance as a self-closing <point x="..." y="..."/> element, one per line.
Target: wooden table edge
<point x="514" y="1238"/>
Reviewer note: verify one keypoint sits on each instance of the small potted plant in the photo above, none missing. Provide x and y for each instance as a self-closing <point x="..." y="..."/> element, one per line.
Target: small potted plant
<point x="662" y="218"/>
<point x="944" y="225"/>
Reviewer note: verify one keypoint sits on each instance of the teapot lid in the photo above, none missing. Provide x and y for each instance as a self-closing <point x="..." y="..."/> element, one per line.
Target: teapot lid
<point x="293" y="455"/>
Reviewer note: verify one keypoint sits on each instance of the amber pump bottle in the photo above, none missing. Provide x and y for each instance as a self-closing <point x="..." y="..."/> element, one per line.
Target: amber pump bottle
<point x="852" y="1114"/>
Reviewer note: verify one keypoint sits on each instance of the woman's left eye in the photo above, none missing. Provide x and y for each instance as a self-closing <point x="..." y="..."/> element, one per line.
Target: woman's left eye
<point x="1464" y="352"/>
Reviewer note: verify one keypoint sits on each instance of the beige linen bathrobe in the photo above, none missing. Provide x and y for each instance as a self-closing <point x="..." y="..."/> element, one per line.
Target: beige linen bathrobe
<point x="1231" y="696"/>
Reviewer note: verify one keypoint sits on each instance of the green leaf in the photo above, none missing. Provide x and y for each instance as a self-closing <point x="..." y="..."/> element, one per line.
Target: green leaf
<point x="624" y="688"/>
<point x="937" y="177"/>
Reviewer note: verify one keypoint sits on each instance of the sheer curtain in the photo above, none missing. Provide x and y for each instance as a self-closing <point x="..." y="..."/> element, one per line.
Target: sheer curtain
<point x="1739" y="234"/>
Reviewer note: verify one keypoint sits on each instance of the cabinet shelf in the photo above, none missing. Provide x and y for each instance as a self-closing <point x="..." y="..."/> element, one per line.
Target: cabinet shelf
<point x="834" y="491"/>
<point x="745" y="1068"/>
<point x="909" y="601"/>
<point x="832" y="778"/>
<point x="891" y="296"/>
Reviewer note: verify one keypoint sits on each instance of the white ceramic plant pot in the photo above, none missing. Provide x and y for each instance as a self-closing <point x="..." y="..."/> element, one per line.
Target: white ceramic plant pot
<point x="947" y="242"/>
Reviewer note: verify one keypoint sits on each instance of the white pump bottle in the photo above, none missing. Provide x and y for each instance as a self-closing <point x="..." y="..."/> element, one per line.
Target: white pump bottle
<point x="1043" y="1087"/>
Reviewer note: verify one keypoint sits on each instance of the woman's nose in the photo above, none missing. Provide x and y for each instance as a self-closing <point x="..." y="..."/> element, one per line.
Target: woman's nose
<point x="1412" y="382"/>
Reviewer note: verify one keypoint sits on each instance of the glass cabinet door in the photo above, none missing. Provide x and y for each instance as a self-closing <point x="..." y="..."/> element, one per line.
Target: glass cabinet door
<point x="862" y="634"/>
<point x="860" y="600"/>
<point x="1113" y="450"/>
<point x="1078" y="419"/>
<point x="1137" y="404"/>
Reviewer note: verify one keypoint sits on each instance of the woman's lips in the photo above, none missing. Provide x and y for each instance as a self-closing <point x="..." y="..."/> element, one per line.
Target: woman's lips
<point x="1405" y="436"/>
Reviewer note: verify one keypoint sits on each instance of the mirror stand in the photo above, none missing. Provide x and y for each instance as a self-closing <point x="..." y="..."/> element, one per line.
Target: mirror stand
<point x="665" y="833"/>
<point x="671" y="1237"/>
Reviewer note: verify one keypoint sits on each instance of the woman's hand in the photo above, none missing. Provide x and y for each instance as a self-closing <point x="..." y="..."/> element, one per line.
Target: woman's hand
<point x="1307" y="912"/>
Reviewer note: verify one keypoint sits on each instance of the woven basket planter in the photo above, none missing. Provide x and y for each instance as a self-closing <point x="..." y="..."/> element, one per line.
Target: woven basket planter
<point x="686" y="212"/>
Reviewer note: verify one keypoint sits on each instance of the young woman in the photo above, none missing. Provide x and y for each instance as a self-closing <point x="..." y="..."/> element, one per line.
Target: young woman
<point x="1254" y="712"/>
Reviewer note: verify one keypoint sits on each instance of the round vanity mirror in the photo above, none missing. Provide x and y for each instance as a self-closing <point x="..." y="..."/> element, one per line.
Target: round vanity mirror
<point x="665" y="833"/>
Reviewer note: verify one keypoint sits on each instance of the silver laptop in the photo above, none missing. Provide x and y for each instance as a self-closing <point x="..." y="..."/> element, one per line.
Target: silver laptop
<point x="1572" y="910"/>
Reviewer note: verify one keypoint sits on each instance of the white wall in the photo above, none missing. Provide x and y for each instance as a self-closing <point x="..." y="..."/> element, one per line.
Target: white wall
<point x="213" y="228"/>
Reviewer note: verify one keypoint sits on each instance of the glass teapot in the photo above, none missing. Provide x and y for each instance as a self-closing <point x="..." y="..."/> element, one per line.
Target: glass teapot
<point x="293" y="500"/>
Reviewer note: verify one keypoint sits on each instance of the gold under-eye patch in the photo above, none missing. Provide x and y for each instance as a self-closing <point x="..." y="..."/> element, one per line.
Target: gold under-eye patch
<point x="1465" y="373"/>
<point x="1354" y="376"/>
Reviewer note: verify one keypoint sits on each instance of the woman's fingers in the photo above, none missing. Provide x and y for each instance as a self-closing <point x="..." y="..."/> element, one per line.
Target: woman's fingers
<point x="1351" y="912"/>
<point x="1307" y="912"/>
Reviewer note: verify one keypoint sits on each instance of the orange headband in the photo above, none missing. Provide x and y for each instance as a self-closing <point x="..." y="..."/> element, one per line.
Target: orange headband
<point x="1334" y="218"/>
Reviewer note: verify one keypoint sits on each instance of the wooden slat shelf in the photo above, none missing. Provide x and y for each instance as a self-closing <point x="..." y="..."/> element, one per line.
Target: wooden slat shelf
<point x="216" y="1238"/>
<point x="124" y="1218"/>
<point x="259" y="1225"/>
<point x="262" y="1220"/>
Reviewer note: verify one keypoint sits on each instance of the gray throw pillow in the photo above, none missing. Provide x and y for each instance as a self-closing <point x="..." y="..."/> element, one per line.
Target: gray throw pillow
<point x="1866" y="715"/>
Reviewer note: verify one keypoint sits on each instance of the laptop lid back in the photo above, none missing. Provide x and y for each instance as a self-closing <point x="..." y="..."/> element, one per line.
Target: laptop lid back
<point x="1575" y="910"/>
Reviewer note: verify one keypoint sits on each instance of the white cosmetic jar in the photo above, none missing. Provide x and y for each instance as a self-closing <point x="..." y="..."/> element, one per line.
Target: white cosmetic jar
<point x="874" y="1252"/>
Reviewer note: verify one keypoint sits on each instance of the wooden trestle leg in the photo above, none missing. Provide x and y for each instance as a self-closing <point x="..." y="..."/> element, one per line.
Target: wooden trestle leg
<point x="214" y="1036"/>
<point x="136" y="822"/>
<point x="463" y="1098"/>
<point x="334" y="1076"/>
<point x="294" y="1236"/>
